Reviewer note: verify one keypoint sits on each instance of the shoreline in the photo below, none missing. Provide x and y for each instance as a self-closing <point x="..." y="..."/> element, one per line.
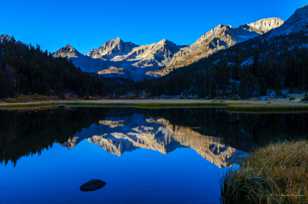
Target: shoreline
<point x="248" y="106"/>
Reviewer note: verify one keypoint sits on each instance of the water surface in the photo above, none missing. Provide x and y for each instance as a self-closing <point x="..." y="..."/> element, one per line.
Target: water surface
<point x="144" y="156"/>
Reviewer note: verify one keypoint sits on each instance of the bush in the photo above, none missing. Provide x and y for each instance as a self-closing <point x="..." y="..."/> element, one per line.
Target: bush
<point x="274" y="174"/>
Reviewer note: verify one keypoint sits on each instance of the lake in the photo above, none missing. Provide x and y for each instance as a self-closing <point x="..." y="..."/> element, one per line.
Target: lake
<point x="168" y="156"/>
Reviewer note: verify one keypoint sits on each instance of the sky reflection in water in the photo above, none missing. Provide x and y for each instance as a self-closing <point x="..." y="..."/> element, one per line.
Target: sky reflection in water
<point x="144" y="156"/>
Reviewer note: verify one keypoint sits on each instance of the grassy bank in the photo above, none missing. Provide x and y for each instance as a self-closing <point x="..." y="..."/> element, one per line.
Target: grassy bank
<point x="272" y="175"/>
<point x="229" y="105"/>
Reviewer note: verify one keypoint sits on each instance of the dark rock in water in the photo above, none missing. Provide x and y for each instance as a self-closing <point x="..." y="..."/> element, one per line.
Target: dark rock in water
<point x="92" y="185"/>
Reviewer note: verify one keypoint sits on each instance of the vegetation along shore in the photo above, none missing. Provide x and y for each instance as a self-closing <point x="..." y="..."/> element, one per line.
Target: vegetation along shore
<point x="277" y="173"/>
<point x="230" y="105"/>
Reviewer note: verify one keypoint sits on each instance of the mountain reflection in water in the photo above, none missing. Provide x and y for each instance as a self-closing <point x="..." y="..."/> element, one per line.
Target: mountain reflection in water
<point x="120" y="135"/>
<point x="217" y="136"/>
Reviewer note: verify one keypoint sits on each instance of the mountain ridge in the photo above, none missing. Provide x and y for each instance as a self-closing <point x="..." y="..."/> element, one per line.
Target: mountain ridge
<point x="219" y="38"/>
<point x="275" y="61"/>
<point x="118" y="58"/>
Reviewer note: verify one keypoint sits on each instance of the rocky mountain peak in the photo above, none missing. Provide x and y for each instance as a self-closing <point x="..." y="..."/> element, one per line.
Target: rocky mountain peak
<point x="69" y="48"/>
<point x="116" y="42"/>
<point x="217" y="31"/>
<point x="67" y="51"/>
<point x="157" y="54"/>
<point x="112" y="48"/>
<point x="265" y="25"/>
<point x="220" y="27"/>
<point x="166" y="44"/>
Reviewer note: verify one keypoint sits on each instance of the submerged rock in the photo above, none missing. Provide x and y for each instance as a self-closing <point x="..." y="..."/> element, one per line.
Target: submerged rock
<point x="92" y="185"/>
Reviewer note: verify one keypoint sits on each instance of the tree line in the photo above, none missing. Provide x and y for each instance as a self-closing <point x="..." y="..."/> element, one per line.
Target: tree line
<point x="27" y="70"/>
<point x="249" y="69"/>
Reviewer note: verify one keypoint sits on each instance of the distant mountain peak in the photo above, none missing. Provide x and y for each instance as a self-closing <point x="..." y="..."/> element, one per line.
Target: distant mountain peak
<point x="69" y="47"/>
<point x="222" y="26"/>
<point x="154" y="55"/>
<point x="117" y="39"/>
<point x="112" y="48"/>
<point x="167" y="44"/>
<point x="68" y="51"/>
<point x="265" y="25"/>
<point x="165" y="41"/>
<point x="217" y="31"/>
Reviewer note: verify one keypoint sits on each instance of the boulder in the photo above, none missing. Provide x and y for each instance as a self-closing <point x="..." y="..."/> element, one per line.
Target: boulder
<point x="92" y="185"/>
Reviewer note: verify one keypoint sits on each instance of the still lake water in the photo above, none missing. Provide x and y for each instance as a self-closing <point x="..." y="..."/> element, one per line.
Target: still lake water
<point x="145" y="156"/>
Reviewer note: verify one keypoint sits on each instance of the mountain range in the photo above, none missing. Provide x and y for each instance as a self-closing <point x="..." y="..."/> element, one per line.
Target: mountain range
<point x="120" y="59"/>
<point x="242" y="62"/>
<point x="117" y="58"/>
<point x="276" y="60"/>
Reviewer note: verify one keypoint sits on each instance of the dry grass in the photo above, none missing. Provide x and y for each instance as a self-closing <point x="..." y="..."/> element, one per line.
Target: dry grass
<point x="29" y="98"/>
<point x="275" y="174"/>
<point x="229" y="105"/>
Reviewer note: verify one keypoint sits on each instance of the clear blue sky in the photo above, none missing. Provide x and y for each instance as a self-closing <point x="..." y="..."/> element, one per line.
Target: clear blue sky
<point x="88" y="23"/>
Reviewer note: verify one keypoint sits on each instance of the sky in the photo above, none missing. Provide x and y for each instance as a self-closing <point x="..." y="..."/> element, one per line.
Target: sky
<point x="87" y="24"/>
